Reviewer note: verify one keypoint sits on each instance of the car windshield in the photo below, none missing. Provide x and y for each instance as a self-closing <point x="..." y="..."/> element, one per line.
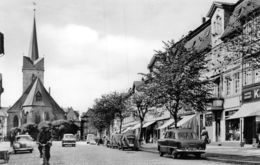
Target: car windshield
<point x="69" y="136"/>
<point x="187" y="136"/>
<point x="22" y="138"/>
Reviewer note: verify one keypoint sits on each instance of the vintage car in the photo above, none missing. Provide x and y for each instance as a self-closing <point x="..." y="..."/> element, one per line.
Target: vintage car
<point x="178" y="142"/>
<point x="68" y="139"/>
<point x="115" y="140"/>
<point x="129" y="141"/>
<point x="91" y="139"/>
<point x="23" y="143"/>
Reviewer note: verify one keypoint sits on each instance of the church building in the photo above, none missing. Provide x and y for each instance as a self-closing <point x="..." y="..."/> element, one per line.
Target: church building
<point x="35" y="104"/>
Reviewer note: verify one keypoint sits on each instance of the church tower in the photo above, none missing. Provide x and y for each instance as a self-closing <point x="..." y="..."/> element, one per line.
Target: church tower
<point x="33" y="65"/>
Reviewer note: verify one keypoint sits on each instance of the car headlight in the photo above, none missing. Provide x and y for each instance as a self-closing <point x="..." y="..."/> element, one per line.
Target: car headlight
<point x="17" y="145"/>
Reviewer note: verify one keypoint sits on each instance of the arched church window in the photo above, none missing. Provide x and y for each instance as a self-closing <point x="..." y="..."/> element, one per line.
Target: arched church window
<point x="15" y="121"/>
<point x="37" y="118"/>
<point x="38" y="96"/>
<point x="47" y="116"/>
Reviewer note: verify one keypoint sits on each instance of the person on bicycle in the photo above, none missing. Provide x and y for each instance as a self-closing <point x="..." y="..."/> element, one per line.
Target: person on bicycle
<point x="44" y="137"/>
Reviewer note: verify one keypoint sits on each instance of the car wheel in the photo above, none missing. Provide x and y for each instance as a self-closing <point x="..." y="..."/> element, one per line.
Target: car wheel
<point x="31" y="151"/>
<point x="15" y="152"/>
<point x="174" y="154"/>
<point x="62" y="145"/>
<point x="161" y="153"/>
<point x="198" y="156"/>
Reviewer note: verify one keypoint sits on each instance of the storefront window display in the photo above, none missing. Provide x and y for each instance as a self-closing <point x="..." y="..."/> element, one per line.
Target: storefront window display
<point x="232" y="128"/>
<point x="208" y="120"/>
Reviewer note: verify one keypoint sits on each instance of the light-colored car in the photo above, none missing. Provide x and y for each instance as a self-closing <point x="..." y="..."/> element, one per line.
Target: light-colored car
<point x="91" y="139"/>
<point x="68" y="139"/>
<point x="181" y="142"/>
<point x="23" y="143"/>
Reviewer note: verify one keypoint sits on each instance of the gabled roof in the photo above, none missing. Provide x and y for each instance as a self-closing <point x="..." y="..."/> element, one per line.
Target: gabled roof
<point x="242" y="10"/>
<point x="3" y="111"/>
<point x="222" y="5"/>
<point x="29" y="64"/>
<point x="28" y="99"/>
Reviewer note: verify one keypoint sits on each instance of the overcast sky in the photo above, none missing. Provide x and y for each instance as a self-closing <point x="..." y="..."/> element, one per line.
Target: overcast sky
<point x="91" y="47"/>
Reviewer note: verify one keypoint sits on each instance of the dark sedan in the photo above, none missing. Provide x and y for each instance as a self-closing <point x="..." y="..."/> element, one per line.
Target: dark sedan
<point x="181" y="142"/>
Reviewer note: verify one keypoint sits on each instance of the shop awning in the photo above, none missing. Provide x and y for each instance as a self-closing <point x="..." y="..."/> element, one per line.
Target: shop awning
<point x="247" y="110"/>
<point x="185" y="120"/>
<point x="166" y="124"/>
<point x="136" y="126"/>
<point x="148" y="123"/>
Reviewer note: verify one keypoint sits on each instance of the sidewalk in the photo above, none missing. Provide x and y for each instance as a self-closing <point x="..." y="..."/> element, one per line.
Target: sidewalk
<point x="237" y="155"/>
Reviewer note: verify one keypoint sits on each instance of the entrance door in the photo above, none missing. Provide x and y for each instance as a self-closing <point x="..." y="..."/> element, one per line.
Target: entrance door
<point x="217" y="130"/>
<point x="249" y="129"/>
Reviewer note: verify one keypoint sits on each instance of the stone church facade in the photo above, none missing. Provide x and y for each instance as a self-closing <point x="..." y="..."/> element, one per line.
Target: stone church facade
<point x="36" y="104"/>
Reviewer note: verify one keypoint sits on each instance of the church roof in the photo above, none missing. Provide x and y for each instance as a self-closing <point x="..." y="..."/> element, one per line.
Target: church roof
<point x="29" y="98"/>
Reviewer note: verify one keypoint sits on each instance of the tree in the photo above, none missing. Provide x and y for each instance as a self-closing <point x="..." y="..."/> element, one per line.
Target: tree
<point x="118" y="105"/>
<point x="145" y="101"/>
<point x="178" y="78"/>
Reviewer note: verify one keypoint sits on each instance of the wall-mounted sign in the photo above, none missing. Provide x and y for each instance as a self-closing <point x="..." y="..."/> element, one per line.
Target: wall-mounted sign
<point x="251" y="94"/>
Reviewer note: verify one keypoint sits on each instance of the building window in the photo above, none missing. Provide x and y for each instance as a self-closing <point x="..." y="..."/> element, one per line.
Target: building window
<point x="38" y="96"/>
<point x="257" y="75"/>
<point x="37" y="118"/>
<point x="237" y="82"/>
<point x="46" y="116"/>
<point x="228" y="86"/>
<point x="15" y="121"/>
<point x="247" y="77"/>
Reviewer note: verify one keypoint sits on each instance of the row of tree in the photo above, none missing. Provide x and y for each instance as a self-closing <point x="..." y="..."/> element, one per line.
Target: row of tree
<point x="175" y="81"/>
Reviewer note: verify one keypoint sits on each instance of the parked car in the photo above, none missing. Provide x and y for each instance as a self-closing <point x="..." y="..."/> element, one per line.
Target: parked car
<point x="23" y="143"/>
<point x="68" y="139"/>
<point x="115" y="140"/>
<point x="129" y="141"/>
<point x="181" y="142"/>
<point x="91" y="139"/>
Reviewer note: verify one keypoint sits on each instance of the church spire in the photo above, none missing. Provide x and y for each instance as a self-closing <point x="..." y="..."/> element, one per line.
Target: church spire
<point x="33" y="50"/>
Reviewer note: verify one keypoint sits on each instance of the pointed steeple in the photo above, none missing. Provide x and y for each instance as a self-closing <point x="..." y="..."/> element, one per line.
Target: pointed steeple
<point x="33" y="50"/>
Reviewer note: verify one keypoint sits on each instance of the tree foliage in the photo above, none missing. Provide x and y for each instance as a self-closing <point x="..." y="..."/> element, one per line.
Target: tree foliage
<point x="144" y="100"/>
<point x="178" y="78"/>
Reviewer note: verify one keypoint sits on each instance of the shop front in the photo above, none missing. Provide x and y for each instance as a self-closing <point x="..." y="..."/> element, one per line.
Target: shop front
<point x="247" y="118"/>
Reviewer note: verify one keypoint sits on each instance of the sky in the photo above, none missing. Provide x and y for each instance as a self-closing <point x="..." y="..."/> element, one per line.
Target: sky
<point x="91" y="47"/>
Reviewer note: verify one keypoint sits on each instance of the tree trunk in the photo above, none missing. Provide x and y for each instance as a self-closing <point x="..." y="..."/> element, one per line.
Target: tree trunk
<point x="141" y="132"/>
<point x="120" y="126"/>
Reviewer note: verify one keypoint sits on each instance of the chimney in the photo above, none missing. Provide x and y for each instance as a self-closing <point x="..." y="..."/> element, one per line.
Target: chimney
<point x="203" y="20"/>
<point x="50" y="90"/>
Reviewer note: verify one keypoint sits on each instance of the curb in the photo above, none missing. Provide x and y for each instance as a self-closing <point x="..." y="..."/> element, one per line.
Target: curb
<point x="232" y="161"/>
<point x="209" y="158"/>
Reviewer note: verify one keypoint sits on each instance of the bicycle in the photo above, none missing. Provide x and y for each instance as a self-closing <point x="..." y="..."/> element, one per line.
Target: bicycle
<point x="45" y="161"/>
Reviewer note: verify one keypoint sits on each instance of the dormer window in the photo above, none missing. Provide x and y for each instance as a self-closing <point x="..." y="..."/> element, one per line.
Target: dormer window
<point x="38" y="96"/>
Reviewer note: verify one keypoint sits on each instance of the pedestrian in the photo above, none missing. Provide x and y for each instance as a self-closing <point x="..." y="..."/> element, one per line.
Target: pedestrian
<point x="205" y="135"/>
<point x="44" y="138"/>
<point x="12" y="138"/>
